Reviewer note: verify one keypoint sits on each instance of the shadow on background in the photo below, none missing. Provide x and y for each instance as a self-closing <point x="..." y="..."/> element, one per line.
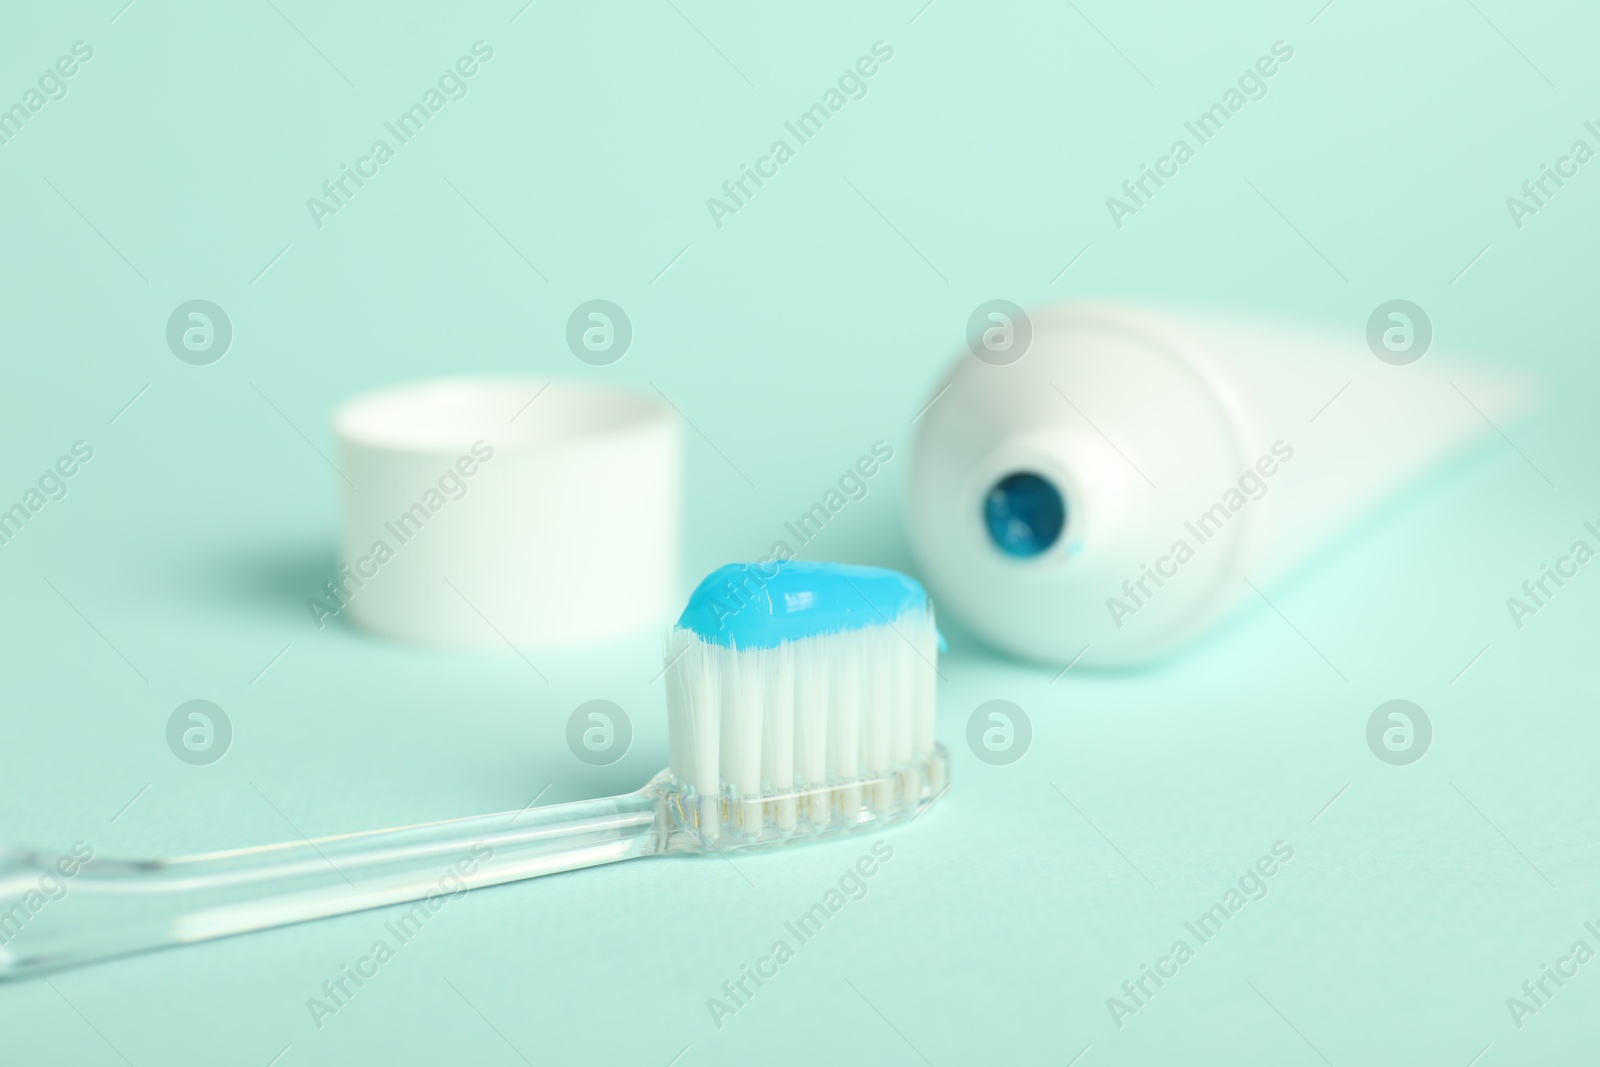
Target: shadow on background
<point x="268" y="581"/>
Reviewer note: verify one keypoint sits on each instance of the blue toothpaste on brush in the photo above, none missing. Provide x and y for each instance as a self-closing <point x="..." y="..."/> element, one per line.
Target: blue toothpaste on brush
<point x="761" y="605"/>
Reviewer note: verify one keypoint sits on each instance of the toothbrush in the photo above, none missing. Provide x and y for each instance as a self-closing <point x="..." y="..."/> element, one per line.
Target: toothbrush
<point x="800" y="703"/>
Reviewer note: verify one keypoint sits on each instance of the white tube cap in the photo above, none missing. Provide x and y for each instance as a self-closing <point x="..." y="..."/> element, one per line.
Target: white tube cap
<point x="482" y="512"/>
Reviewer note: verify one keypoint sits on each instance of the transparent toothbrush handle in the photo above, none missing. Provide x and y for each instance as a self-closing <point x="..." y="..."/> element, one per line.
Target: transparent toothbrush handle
<point x="56" y="912"/>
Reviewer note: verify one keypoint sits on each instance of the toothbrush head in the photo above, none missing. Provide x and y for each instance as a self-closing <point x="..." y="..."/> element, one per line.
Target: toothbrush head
<point x="800" y="702"/>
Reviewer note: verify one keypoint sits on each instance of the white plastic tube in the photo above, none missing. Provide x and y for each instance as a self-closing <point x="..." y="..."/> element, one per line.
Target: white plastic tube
<point x="1190" y="453"/>
<point x="482" y="511"/>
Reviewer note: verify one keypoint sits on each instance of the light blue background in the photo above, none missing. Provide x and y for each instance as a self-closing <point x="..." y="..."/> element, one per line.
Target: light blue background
<point x="813" y="323"/>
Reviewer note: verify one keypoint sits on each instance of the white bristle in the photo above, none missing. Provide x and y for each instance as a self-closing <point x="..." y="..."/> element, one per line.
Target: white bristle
<point x="843" y="656"/>
<point x="777" y="736"/>
<point x="811" y="720"/>
<point x="750" y="726"/>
